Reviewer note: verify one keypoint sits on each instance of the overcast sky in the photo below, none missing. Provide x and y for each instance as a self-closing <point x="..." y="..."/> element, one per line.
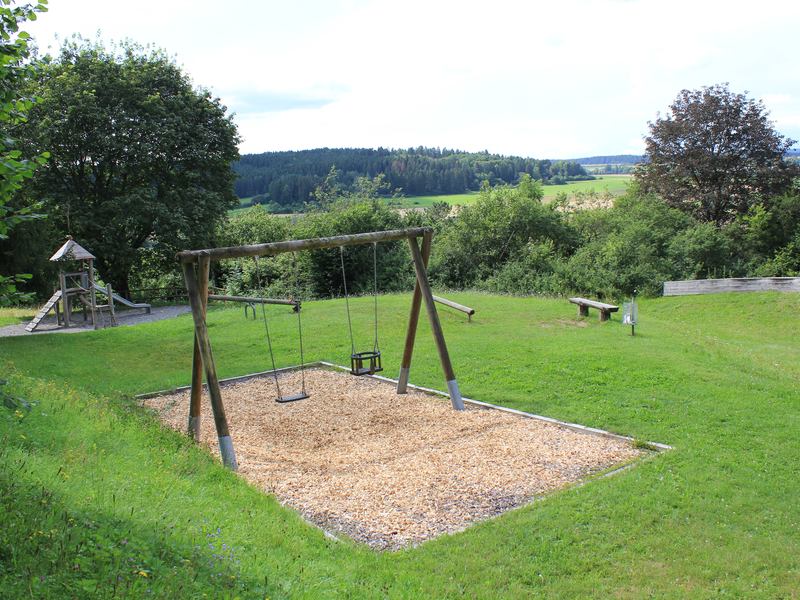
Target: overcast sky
<point x="555" y="79"/>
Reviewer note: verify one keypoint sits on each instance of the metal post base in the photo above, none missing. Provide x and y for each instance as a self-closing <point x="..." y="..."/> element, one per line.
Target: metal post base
<point x="194" y="428"/>
<point x="455" y="395"/>
<point x="402" y="380"/>
<point x="228" y="455"/>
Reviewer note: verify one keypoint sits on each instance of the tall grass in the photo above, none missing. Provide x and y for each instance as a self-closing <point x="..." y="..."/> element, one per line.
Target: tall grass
<point x="714" y="376"/>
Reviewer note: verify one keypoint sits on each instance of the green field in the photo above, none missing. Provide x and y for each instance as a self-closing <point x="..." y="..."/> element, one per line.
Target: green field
<point x="99" y="501"/>
<point x="613" y="183"/>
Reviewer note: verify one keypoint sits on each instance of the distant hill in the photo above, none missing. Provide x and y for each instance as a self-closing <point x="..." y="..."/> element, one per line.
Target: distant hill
<point x="288" y="179"/>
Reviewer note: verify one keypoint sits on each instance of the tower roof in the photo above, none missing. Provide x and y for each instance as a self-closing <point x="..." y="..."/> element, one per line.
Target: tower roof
<point x="72" y="251"/>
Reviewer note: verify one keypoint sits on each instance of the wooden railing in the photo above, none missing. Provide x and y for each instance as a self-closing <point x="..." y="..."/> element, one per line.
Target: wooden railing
<point x="721" y="286"/>
<point x="163" y="294"/>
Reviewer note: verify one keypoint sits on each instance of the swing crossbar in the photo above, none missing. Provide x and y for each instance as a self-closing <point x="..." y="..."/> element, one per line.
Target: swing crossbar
<point x="192" y="256"/>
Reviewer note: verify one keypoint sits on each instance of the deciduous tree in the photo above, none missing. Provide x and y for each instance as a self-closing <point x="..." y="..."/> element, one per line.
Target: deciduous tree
<point x="140" y="158"/>
<point x="715" y="154"/>
<point x="15" y="68"/>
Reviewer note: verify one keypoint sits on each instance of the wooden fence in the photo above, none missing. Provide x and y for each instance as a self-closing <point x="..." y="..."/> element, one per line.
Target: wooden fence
<point x="721" y="286"/>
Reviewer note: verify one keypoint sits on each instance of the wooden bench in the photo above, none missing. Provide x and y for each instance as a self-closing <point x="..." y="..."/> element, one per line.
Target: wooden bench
<point x="584" y="305"/>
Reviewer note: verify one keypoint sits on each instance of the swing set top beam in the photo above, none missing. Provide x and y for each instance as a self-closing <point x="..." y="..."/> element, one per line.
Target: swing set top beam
<point x="190" y="256"/>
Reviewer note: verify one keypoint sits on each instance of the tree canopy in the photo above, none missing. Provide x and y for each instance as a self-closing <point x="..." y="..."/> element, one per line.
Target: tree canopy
<point x="16" y="67"/>
<point x="715" y="154"/>
<point x="140" y="159"/>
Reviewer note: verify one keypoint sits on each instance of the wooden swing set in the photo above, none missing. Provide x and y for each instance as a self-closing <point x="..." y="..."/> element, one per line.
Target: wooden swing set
<point x="196" y="265"/>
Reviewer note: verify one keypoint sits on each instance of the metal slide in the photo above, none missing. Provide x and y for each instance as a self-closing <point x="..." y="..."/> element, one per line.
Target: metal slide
<point x="122" y="300"/>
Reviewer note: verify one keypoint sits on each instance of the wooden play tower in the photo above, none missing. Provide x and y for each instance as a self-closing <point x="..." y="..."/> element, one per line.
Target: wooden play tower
<point x="79" y="284"/>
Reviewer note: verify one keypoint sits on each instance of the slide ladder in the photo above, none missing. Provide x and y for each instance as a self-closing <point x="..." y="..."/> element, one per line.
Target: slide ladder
<point x="45" y="309"/>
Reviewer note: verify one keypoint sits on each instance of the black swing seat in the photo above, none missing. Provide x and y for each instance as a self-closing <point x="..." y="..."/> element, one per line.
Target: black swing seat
<point x="357" y="363"/>
<point x="301" y="396"/>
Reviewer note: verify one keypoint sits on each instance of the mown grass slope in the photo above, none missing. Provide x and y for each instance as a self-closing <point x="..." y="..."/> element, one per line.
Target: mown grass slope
<point x="714" y="376"/>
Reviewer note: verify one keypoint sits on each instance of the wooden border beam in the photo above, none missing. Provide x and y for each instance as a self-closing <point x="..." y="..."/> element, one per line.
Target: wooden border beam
<point x="456" y="305"/>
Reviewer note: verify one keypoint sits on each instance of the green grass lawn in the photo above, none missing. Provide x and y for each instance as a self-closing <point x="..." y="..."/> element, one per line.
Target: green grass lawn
<point x="99" y="501"/>
<point x="14" y="316"/>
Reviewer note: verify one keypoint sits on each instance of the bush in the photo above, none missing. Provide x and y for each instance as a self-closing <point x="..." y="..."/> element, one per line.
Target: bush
<point x="633" y="246"/>
<point x="500" y="228"/>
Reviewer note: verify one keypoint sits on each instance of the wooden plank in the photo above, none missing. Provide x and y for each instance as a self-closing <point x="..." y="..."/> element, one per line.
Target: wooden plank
<point x="309" y="244"/>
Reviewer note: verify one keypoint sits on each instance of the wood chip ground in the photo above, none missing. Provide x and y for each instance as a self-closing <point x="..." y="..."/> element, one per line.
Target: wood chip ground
<point x="392" y="470"/>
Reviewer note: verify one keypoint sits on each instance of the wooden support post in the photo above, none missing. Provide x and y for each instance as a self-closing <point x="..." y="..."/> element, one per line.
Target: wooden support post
<point x="93" y="294"/>
<point x="64" y="298"/>
<point x="110" y="293"/>
<point x="436" y="327"/>
<point x="203" y="267"/>
<point x="413" y="320"/>
<point x="58" y="311"/>
<point x="201" y="335"/>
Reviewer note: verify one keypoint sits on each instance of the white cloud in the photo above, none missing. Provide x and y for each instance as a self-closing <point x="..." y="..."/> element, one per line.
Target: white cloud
<point x="546" y="80"/>
<point x="773" y="99"/>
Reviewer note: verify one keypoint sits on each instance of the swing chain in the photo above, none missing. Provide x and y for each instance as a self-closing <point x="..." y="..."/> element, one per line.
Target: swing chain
<point x="357" y="358"/>
<point x="266" y="327"/>
<point x="299" y="326"/>
<point x="376" y="348"/>
<point x="347" y="302"/>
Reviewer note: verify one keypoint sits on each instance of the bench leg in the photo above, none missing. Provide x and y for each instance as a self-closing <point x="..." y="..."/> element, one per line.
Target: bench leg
<point x="583" y="311"/>
<point x="604" y="315"/>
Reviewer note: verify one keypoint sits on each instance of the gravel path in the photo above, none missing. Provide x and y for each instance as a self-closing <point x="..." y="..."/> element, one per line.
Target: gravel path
<point x="135" y="316"/>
